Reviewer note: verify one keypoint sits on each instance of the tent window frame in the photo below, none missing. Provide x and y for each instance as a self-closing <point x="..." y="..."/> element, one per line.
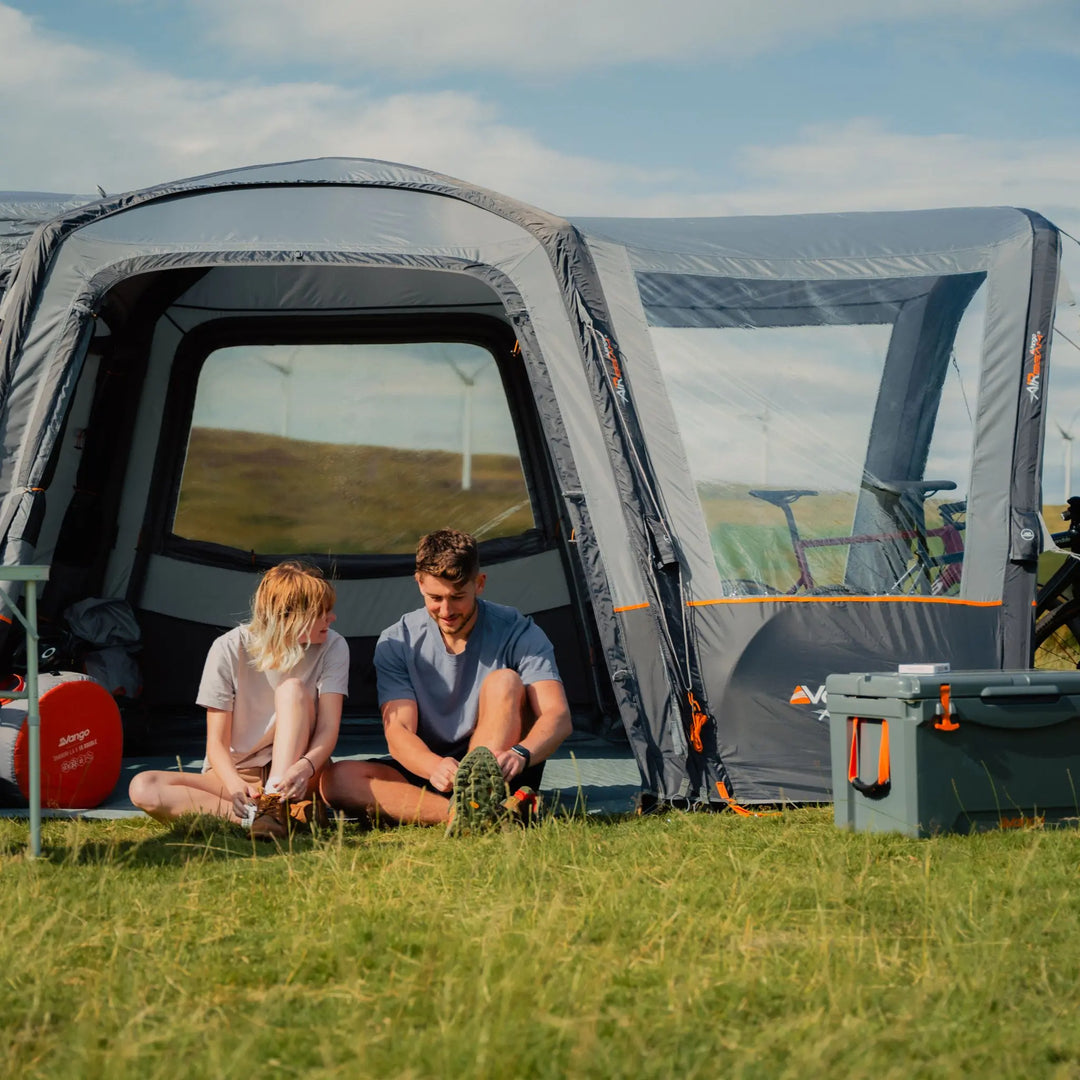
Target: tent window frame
<point x="481" y="330"/>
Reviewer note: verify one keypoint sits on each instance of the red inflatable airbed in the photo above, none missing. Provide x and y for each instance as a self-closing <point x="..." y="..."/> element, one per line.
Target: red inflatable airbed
<point x="82" y="742"/>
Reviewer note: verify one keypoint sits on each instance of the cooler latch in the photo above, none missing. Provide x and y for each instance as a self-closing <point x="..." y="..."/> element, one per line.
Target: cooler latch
<point x="945" y="710"/>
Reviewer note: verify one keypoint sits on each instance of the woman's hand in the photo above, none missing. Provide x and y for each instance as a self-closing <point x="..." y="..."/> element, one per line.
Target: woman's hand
<point x="244" y="797"/>
<point x="294" y="784"/>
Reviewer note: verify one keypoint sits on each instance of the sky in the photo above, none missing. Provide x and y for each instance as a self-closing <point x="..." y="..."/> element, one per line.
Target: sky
<point x="583" y="107"/>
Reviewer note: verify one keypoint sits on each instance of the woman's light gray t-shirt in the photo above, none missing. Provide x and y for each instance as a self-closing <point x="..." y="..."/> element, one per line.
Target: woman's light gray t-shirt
<point x="231" y="684"/>
<point x="412" y="663"/>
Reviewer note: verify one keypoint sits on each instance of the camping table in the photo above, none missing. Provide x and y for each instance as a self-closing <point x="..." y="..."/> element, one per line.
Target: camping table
<point x="30" y="575"/>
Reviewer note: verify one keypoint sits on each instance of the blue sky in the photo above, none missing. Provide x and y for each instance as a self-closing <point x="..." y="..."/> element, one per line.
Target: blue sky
<point x="583" y="107"/>
<point x="594" y="106"/>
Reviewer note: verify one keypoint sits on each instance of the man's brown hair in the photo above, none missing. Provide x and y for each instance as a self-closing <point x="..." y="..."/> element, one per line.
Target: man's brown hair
<point x="448" y="553"/>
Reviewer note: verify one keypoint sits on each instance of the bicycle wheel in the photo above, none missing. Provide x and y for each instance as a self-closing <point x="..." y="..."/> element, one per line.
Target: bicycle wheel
<point x="1056" y="646"/>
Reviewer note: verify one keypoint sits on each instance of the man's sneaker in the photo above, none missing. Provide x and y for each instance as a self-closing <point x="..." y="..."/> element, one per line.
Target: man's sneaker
<point x="523" y="807"/>
<point x="479" y="791"/>
<point x="270" y="821"/>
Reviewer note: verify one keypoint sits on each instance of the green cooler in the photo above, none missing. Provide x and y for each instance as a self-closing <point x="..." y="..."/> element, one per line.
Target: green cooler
<point x="954" y="751"/>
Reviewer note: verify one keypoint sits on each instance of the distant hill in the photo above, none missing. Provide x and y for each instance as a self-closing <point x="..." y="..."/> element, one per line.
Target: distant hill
<point x="273" y="495"/>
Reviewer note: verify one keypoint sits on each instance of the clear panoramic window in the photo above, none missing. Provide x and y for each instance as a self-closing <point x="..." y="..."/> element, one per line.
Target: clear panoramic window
<point x="350" y="449"/>
<point x="828" y="429"/>
<point x="1061" y="459"/>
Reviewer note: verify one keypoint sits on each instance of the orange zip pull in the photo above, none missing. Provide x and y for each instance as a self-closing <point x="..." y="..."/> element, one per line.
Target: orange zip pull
<point x="698" y="720"/>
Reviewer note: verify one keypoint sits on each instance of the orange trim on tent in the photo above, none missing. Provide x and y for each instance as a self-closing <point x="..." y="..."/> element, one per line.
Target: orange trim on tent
<point x="632" y="607"/>
<point x="845" y="600"/>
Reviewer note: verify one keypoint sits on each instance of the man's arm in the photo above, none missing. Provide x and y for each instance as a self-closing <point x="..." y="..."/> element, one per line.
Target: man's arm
<point x="400" y="721"/>
<point x="548" y="704"/>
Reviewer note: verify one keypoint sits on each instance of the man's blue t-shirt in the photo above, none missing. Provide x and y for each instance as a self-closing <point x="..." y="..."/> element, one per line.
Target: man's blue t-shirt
<point x="411" y="662"/>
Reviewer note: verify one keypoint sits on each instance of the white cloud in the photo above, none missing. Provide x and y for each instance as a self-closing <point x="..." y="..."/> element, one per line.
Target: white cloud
<point x="861" y="165"/>
<point x="518" y="36"/>
<point x="75" y="117"/>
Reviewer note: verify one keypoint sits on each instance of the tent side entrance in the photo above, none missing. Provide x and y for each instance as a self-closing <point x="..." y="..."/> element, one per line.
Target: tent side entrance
<point x="846" y="417"/>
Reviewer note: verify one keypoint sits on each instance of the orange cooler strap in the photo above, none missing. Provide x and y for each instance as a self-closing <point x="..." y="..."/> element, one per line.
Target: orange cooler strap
<point x="880" y="787"/>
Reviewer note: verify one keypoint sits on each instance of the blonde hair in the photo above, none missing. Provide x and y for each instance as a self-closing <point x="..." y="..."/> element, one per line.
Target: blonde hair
<point x="290" y="599"/>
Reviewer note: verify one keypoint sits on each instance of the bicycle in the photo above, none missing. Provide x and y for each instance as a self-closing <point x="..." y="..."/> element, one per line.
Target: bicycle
<point x="932" y="574"/>
<point x="1057" y="602"/>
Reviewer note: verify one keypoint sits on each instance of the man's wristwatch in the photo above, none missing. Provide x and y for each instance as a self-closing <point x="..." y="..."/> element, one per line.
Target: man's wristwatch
<point x="522" y="752"/>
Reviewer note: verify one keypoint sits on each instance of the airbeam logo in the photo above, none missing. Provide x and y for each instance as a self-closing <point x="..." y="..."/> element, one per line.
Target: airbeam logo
<point x="616" y="373"/>
<point x="1034" y="376"/>
<point x="804" y="695"/>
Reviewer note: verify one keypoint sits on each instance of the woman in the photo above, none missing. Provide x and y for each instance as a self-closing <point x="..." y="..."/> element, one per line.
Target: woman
<point x="273" y="690"/>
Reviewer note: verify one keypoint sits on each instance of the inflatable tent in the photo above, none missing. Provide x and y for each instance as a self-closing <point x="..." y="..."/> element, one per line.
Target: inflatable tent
<point x="717" y="459"/>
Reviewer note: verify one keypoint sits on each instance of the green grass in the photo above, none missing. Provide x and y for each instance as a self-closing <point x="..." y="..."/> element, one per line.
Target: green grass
<point x="676" y="945"/>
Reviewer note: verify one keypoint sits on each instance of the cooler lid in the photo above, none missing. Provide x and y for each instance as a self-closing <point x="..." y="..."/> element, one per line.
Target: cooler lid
<point x="962" y="684"/>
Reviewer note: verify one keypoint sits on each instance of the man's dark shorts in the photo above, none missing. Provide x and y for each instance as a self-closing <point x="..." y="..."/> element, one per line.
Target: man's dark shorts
<point x="529" y="777"/>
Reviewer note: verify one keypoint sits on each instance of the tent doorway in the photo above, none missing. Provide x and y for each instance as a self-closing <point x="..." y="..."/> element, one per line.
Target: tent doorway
<point x="223" y="421"/>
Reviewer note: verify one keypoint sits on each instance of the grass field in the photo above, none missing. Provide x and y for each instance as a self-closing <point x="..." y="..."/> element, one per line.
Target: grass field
<point x="668" y="946"/>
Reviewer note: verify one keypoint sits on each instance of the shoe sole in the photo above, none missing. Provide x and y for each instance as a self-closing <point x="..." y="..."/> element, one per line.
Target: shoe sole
<point x="479" y="793"/>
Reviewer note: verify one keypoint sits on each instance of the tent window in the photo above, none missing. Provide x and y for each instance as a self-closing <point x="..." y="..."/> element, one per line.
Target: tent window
<point x="349" y="448"/>
<point x="817" y="418"/>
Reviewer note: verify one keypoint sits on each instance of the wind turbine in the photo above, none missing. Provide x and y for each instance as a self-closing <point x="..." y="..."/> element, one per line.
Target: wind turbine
<point x="468" y="380"/>
<point x="1067" y="437"/>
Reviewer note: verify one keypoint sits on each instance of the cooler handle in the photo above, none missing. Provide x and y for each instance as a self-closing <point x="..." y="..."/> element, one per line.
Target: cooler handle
<point x="880" y="787"/>
<point x="1042" y="690"/>
<point x="1048" y="706"/>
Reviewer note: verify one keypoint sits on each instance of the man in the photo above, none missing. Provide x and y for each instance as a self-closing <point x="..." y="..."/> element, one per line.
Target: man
<point x="470" y="699"/>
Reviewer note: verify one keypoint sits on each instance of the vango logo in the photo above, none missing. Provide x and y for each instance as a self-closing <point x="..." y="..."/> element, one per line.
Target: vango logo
<point x="806" y="695"/>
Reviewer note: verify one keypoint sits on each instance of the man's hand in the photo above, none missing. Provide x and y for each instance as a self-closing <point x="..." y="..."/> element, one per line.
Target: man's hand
<point x="244" y="797"/>
<point x="510" y="763"/>
<point x="442" y="776"/>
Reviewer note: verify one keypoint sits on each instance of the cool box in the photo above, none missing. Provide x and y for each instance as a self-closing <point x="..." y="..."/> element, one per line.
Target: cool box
<point x="956" y="751"/>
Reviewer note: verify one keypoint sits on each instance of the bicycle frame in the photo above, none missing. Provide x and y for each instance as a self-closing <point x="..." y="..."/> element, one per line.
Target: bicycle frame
<point x="950" y="533"/>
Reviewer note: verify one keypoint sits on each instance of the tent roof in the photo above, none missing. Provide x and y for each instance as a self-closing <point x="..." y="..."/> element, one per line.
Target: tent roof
<point x="960" y="235"/>
<point x="21" y="212"/>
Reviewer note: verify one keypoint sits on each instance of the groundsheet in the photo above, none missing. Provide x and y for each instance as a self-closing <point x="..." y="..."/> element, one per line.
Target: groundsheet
<point x="597" y="774"/>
